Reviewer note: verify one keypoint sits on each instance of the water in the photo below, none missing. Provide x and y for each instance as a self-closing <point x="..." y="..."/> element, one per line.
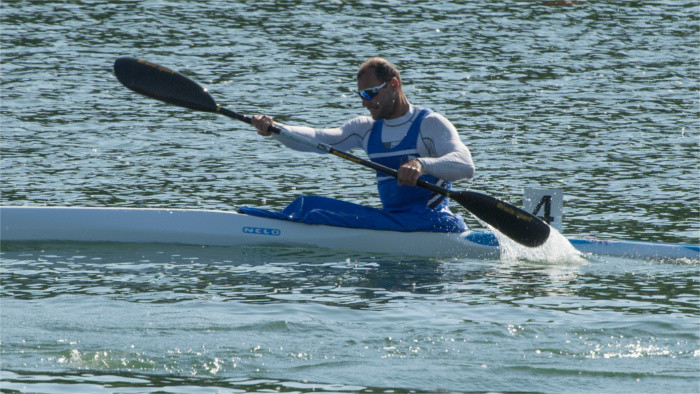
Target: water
<point x="153" y="317"/>
<point x="598" y="99"/>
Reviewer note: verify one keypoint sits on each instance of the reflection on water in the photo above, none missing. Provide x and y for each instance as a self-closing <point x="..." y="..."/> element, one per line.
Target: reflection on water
<point x="260" y="275"/>
<point x="163" y="273"/>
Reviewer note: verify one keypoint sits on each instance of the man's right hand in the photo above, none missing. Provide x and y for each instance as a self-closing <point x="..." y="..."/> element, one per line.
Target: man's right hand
<point x="262" y="123"/>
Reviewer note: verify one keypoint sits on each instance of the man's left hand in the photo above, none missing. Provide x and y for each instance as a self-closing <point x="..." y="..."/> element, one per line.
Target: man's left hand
<point x="409" y="173"/>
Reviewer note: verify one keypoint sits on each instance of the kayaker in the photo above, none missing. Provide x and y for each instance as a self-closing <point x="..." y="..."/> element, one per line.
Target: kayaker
<point x="420" y="143"/>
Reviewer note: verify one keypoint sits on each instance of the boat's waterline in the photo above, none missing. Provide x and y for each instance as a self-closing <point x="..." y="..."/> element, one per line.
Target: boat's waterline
<point x="221" y="228"/>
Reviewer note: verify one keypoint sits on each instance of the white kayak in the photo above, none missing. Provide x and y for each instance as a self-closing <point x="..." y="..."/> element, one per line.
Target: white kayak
<point x="221" y="228"/>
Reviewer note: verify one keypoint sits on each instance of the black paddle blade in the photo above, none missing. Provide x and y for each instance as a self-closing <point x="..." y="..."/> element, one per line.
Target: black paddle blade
<point x="515" y="223"/>
<point x="163" y="84"/>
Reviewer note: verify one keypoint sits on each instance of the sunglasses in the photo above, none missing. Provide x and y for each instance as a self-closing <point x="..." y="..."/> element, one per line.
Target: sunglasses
<point x="369" y="93"/>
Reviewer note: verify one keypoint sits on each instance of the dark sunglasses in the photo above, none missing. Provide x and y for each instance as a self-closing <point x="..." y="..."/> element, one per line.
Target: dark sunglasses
<point x="369" y="93"/>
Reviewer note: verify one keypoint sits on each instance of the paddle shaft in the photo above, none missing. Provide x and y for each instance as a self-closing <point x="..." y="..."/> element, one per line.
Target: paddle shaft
<point x="467" y="196"/>
<point x="329" y="149"/>
<point x="464" y="198"/>
<point x="507" y="208"/>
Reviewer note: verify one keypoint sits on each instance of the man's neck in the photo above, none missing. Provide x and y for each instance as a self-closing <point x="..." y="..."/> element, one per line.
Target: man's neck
<point x="401" y="119"/>
<point x="401" y="108"/>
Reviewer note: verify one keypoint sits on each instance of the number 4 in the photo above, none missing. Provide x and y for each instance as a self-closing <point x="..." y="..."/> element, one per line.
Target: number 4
<point x="547" y="204"/>
<point x="546" y="201"/>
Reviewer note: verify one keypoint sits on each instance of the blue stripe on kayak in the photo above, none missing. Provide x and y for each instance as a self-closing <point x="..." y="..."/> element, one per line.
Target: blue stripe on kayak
<point x="487" y="239"/>
<point x="576" y="241"/>
<point x="593" y="241"/>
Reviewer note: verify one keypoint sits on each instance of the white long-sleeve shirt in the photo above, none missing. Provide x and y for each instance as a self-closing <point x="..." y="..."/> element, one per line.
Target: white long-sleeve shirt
<point x="443" y="154"/>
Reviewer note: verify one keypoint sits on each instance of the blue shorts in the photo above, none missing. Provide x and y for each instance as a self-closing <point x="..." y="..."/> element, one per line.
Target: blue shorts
<point x="332" y="212"/>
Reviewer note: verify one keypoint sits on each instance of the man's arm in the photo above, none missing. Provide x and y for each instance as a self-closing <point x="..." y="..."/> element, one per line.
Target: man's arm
<point x="443" y="154"/>
<point x="347" y="137"/>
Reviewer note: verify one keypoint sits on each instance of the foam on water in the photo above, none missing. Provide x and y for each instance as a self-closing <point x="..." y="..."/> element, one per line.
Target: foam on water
<point x="556" y="250"/>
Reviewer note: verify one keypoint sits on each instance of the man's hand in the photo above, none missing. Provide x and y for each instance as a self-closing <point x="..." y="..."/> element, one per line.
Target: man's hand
<point x="262" y="123"/>
<point x="409" y="173"/>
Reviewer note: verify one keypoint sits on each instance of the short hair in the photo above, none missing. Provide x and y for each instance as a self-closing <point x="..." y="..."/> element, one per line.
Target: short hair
<point x="384" y="70"/>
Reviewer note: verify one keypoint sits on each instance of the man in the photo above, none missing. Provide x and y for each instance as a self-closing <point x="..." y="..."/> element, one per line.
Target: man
<point x="416" y="141"/>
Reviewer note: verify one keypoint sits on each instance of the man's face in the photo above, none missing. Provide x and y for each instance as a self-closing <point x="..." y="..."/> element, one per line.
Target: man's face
<point x="382" y="104"/>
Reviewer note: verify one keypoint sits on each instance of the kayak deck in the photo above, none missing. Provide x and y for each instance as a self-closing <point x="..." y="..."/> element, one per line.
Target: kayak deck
<point x="221" y="228"/>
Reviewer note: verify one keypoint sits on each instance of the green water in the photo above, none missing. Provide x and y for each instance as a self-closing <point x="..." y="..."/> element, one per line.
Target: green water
<point x="598" y="99"/>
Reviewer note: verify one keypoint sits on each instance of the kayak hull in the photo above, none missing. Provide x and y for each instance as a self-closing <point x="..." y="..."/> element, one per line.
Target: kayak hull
<point x="222" y="228"/>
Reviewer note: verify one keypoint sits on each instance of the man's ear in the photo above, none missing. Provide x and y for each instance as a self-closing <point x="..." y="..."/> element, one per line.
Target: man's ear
<point x="394" y="84"/>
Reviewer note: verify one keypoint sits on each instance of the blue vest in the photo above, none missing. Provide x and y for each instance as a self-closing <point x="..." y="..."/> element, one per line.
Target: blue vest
<point x="393" y="196"/>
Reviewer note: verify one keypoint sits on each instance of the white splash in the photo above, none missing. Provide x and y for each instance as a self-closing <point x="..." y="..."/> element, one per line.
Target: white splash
<point x="556" y="250"/>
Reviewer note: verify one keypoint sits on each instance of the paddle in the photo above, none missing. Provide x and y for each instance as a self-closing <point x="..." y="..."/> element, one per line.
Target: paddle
<point x="171" y="87"/>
